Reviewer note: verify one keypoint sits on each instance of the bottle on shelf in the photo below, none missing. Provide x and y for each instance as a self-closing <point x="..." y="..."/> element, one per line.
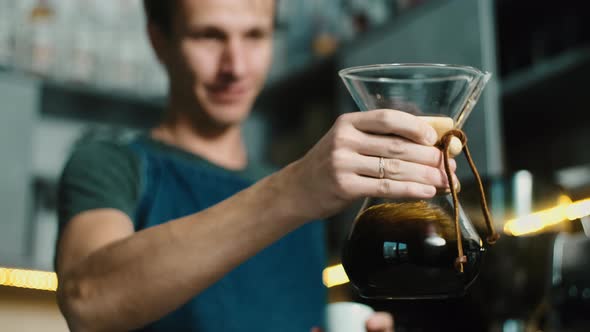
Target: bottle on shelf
<point x="6" y="33"/>
<point x="41" y="50"/>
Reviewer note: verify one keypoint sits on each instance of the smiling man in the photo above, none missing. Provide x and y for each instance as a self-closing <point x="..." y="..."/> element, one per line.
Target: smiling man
<point x="177" y="230"/>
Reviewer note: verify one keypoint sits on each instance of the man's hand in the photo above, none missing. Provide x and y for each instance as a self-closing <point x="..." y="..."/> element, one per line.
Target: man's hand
<point x="345" y="164"/>
<point x="378" y="322"/>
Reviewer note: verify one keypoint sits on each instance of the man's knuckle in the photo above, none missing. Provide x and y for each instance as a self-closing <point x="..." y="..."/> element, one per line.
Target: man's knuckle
<point x="409" y="189"/>
<point x="342" y="120"/>
<point x="336" y="143"/>
<point x="384" y="187"/>
<point x="342" y="186"/>
<point x="396" y="147"/>
<point x="392" y="166"/>
<point x="337" y="159"/>
<point x="342" y="137"/>
<point x="424" y="130"/>
<point x="385" y="118"/>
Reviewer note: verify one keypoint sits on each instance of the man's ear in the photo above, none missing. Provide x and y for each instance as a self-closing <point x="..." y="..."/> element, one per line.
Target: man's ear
<point x="159" y="41"/>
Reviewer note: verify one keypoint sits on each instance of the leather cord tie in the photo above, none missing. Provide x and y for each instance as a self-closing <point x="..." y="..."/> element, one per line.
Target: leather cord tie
<point x="444" y="145"/>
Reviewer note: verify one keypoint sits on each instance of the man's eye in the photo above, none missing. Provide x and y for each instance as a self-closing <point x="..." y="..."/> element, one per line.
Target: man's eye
<point x="256" y="34"/>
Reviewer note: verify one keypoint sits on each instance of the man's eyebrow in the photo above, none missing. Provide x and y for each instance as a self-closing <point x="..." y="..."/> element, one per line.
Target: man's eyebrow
<point x="197" y="27"/>
<point x="205" y="28"/>
<point x="201" y="26"/>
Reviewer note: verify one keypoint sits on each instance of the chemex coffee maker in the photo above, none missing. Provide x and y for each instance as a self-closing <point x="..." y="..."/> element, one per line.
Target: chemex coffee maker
<point x="417" y="249"/>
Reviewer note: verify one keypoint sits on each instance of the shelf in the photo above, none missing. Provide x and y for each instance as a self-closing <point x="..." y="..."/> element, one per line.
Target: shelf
<point x="99" y="106"/>
<point x="553" y="94"/>
<point x="559" y="66"/>
<point x="88" y="89"/>
<point x="127" y="96"/>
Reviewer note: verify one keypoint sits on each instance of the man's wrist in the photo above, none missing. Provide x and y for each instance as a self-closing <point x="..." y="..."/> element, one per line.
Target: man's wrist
<point x="284" y="194"/>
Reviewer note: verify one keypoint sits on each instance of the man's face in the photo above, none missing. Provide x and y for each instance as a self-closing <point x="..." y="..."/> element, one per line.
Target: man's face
<point x="219" y="55"/>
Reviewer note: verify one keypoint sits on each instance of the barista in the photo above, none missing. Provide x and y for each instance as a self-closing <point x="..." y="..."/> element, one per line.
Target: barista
<point x="178" y="230"/>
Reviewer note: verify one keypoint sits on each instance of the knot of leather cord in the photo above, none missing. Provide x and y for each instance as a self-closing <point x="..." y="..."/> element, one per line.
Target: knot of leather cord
<point x="445" y="140"/>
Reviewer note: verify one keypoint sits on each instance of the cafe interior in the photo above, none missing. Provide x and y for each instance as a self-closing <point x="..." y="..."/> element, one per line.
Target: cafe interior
<point x="74" y="71"/>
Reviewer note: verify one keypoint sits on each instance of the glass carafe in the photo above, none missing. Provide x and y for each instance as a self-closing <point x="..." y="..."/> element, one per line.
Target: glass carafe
<point x="411" y="249"/>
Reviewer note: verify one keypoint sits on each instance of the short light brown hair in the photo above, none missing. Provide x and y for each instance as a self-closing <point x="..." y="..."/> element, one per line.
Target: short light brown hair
<point x="159" y="12"/>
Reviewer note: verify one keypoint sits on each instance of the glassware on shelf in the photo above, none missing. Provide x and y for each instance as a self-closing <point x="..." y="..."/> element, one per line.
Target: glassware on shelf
<point x="6" y="32"/>
<point x="42" y="21"/>
<point x="100" y="44"/>
<point x="76" y="40"/>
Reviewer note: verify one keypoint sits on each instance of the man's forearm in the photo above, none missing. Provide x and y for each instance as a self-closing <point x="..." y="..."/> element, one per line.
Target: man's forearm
<point x="121" y="286"/>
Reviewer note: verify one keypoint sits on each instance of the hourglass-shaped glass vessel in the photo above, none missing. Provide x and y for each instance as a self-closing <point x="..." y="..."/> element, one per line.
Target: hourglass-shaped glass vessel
<point x="410" y="249"/>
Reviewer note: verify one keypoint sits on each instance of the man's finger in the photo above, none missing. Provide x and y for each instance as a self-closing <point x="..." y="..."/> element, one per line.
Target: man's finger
<point x="392" y="122"/>
<point x="387" y="188"/>
<point x="380" y="322"/>
<point x="399" y="148"/>
<point x="400" y="170"/>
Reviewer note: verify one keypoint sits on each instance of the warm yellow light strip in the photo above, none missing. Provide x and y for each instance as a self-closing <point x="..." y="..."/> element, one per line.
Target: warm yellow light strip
<point x="536" y="222"/>
<point x="28" y="279"/>
<point x="334" y="276"/>
<point x="578" y="209"/>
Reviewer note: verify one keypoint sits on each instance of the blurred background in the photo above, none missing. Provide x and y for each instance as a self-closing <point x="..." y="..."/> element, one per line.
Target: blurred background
<point x="72" y="70"/>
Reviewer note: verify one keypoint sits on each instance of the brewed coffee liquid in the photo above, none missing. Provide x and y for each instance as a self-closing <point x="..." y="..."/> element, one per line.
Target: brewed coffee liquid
<point x="408" y="251"/>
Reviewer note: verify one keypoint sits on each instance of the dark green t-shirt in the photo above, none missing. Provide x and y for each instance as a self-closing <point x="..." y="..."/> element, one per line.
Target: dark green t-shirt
<point x="278" y="289"/>
<point x="106" y="174"/>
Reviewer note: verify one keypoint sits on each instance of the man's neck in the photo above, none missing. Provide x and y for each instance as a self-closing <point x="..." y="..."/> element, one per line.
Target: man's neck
<point x="222" y="146"/>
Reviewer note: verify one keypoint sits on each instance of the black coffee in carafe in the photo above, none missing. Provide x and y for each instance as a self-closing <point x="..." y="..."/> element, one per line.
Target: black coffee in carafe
<point x="408" y="251"/>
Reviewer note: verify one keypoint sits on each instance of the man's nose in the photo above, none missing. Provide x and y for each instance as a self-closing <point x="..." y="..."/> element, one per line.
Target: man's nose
<point x="233" y="60"/>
